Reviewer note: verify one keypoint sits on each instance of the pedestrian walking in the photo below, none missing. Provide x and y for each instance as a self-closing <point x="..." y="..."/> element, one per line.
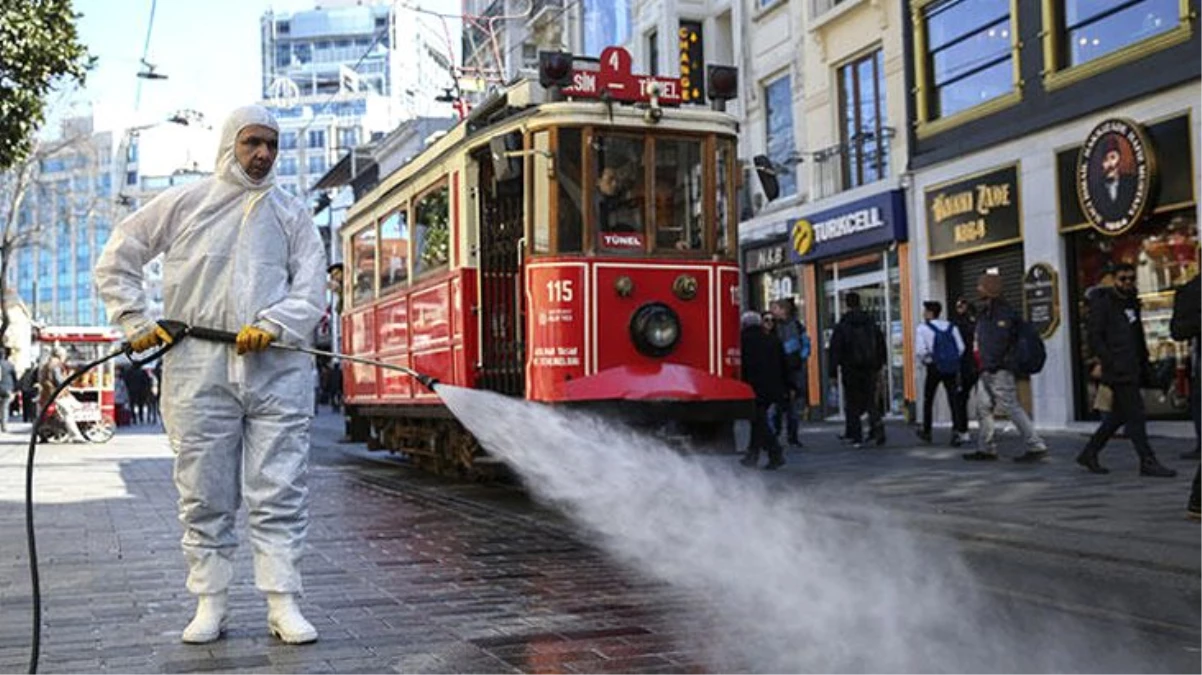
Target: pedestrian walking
<point x="796" y="342"/>
<point x="9" y="386"/>
<point x="857" y="355"/>
<point x="137" y="384"/>
<point x="29" y="393"/>
<point x="1115" y="332"/>
<point x="152" y="401"/>
<point x="1186" y="324"/>
<point x="965" y="319"/>
<point x="997" y="342"/>
<point x="242" y="255"/>
<point x="763" y="367"/>
<point x="939" y="349"/>
<point x="124" y="413"/>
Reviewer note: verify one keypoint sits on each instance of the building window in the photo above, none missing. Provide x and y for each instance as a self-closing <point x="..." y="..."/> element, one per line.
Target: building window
<point x="286" y="166"/>
<point x="969" y="54"/>
<point x="288" y="140"/>
<point x="864" y="134"/>
<point x="1091" y="29"/>
<point x="348" y="137"/>
<point x="317" y="138"/>
<point x="283" y="56"/>
<point x="431" y="218"/>
<point x="778" y="113"/>
<point x="303" y="51"/>
<point x="529" y="55"/>
<point x="131" y="178"/>
<point x="283" y="28"/>
<point x="653" y="52"/>
<point x="317" y="165"/>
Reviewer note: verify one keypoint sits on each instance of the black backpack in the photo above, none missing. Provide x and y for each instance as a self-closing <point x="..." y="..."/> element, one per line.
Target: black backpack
<point x="1029" y="352"/>
<point x="860" y="340"/>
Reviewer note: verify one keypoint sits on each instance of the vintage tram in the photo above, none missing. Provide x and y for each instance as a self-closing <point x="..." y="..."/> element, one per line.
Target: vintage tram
<point x="571" y="241"/>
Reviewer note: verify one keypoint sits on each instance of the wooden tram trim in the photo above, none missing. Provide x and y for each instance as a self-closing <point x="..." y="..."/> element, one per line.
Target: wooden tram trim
<point x="709" y="193"/>
<point x="589" y="207"/>
<point x="649" y="224"/>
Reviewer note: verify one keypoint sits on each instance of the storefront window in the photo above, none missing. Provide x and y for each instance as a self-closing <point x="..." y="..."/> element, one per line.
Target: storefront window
<point x="1164" y="250"/>
<point x="677" y="192"/>
<point x="363" y="250"/>
<point x="776" y="284"/>
<point x="875" y="276"/>
<point x="1094" y="28"/>
<point x="394" y="251"/>
<point x="620" y="193"/>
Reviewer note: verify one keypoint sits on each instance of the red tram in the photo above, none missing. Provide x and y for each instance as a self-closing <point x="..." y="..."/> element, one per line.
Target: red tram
<point x="579" y="251"/>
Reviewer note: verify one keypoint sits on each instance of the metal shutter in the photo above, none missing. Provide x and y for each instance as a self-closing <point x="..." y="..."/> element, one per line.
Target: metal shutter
<point x="963" y="273"/>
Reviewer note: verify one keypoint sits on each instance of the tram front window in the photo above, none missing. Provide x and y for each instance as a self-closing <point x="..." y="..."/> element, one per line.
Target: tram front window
<point x="620" y="193"/>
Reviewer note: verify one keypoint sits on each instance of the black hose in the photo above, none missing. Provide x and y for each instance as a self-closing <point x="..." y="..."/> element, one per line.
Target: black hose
<point x="36" y="644"/>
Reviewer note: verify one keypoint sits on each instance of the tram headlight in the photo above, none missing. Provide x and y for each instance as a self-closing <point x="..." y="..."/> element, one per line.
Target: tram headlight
<point x="655" y="329"/>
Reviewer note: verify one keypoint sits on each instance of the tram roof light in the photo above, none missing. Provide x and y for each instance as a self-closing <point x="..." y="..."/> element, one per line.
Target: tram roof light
<point x="722" y="82"/>
<point x="554" y="69"/>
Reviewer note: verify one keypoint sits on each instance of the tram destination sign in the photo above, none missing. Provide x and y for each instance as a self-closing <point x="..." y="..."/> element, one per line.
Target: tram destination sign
<point x="1041" y="299"/>
<point x="611" y="76"/>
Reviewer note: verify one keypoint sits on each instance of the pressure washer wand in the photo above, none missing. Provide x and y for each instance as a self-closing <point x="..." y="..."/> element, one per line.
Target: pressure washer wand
<point x="214" y="335"/>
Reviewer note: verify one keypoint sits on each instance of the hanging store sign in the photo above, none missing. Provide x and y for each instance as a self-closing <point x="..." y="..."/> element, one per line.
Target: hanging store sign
<point x="1116" y="174"/>
<point x="610" y="76"/>
<point x="971" y="214"/>
<point x="766" y="257"/>
<point x="692" y="62"/>
<point x="1041" y="299"/>
<point x="864" y="223"/>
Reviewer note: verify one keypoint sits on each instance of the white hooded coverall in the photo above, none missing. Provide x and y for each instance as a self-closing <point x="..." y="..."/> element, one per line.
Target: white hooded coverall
<point x="236" y="252"/>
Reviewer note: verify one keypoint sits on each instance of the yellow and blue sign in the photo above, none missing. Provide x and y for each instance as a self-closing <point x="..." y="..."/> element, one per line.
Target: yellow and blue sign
<point x="864" y="223"/>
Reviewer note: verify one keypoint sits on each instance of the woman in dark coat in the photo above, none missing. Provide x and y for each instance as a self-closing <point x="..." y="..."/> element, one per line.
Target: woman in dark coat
<point x="763" y="367"/>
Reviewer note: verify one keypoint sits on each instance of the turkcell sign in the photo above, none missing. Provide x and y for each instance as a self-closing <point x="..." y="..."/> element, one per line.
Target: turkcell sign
<point x="864" y="223"/>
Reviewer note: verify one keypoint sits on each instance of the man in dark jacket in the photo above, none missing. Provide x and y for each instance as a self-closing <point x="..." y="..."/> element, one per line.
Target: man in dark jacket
<point x="1116" y="338"/>
<point x="857" y="353"/>
<point x="1186" y="324"/>
<point x="792" y="334"/>
<point x="763" y="367"/>
<point x="997" y="340"/>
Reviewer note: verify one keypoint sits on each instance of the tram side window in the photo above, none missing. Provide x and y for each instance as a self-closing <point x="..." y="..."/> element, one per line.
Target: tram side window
<point x="541" y="205"/>
<point x="620" y="193"/>
<point x="394" y="251"/>
<point x="363" y="246"/>
<point x="679" y="220"/>
<point x="568" y="173"/>
<point x="723" y="202"/>
<point x="431" y="221"/>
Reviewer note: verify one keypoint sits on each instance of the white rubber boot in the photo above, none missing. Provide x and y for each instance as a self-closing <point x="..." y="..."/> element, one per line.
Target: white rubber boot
<point x="286" y="622"/>
<point x="209" y="621"/>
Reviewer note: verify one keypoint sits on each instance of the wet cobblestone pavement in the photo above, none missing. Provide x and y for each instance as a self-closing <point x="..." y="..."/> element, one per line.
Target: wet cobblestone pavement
<point x="407" y="573"/>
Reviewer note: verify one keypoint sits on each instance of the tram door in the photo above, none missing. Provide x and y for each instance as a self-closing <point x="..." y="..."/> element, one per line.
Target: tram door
<point x="502" y="305"/>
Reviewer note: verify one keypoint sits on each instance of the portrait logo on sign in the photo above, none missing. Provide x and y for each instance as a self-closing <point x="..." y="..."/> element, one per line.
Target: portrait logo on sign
<point x="1116" y="174"/>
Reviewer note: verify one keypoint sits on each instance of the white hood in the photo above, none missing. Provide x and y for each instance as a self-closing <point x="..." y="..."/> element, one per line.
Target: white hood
<point x="228" y="169"/>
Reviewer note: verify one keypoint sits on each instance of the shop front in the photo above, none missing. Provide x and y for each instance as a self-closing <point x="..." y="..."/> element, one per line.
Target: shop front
<point x="1050" y="211"/>
<point x="1126" y="194"/>
<point x="859" y="246"/>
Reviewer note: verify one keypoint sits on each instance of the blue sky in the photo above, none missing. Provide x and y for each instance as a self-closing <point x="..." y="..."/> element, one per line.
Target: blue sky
<point x="209" y="49"/>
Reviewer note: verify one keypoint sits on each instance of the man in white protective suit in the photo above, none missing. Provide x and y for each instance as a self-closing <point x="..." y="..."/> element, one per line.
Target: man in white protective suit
<point x="240" y="255"/>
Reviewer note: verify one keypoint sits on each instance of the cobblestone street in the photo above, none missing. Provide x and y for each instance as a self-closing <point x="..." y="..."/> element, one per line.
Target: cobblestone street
<point x="408" y="573"/>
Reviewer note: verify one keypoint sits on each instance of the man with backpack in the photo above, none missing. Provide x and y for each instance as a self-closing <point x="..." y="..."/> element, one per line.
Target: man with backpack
<point x="938" y="349"/>
<point x="1007" y="347"/>
<point x="796" y="343"/>
<point x="1116" y="338"/>
<point x="857" y="353"/>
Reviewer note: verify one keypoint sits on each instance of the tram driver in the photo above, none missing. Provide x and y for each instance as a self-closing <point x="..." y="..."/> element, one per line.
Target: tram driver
<point x="619" y="208"/>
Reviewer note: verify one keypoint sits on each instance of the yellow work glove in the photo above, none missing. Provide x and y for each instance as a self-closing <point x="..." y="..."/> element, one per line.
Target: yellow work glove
<point x="251" y="339"/>
<point x="150" y="337"/>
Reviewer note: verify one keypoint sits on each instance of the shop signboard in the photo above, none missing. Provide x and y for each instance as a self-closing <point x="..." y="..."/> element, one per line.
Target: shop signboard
<point x="1041" y="298"/>
<point x="1115" y="175"/>
<point x="861" y="224"/>
<point x="974" y="213"/>
<point x="766" y="257"/>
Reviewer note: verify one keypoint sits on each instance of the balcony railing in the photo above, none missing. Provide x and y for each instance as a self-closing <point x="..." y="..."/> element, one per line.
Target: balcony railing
<point x="861" y="160"/>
